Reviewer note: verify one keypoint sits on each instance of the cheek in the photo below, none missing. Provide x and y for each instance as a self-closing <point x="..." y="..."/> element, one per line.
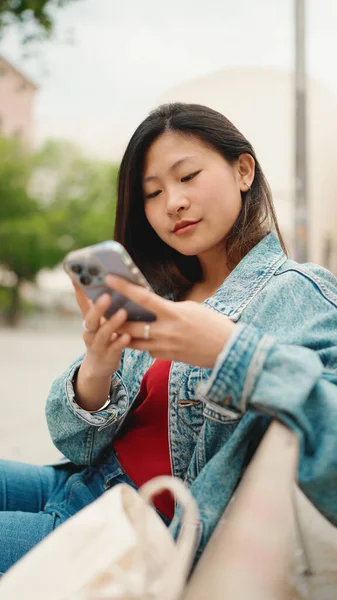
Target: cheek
<point x="153" y="215"/>
<point x="224" y="197"/>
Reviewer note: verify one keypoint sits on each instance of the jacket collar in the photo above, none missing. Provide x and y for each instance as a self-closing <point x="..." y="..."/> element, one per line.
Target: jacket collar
<point x="248" y="278"/>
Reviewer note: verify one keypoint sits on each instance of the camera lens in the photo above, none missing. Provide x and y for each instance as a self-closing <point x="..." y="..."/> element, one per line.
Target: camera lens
<point x="85" y="280"/>
<point x="93" y="270"/>
<point x="76" y="268"/>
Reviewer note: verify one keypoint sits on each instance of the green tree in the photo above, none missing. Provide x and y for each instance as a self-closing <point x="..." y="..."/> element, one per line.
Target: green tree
<point x="80" y="194"/>
<point x="37" y="13"/>
<point x="17" y="209"/>
<point x="70" y="203"/>
<point x="15" y="171"/>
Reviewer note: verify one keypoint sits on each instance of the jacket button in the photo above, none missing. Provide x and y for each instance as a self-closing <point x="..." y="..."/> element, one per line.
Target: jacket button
<point x="187" y="403"/>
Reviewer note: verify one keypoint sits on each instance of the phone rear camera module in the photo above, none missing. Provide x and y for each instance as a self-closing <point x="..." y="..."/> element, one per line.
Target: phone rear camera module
<point x="76" y="269"/>
<point x="93" y="270"/>
<point x="85" y="280"/>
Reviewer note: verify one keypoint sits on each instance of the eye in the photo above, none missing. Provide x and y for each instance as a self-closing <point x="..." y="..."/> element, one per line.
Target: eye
<point x="190" y="176"/>
<point x="152" y="195"/>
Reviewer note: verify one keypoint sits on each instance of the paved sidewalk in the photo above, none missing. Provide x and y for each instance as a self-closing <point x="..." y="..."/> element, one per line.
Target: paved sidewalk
<point x="31" y="357"/>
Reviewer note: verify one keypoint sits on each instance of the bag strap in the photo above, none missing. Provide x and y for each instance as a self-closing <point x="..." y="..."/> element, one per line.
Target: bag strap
<point x="177" y="572"/>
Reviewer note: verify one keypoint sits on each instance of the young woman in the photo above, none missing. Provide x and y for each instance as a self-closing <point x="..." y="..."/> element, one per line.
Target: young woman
<point x="243" y="335"/>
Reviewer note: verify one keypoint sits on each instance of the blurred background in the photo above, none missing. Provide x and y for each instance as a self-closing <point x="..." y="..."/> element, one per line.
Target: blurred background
<point x="76" y="78"/>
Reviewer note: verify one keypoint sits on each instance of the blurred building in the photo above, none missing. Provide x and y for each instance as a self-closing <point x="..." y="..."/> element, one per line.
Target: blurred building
<point x="17" y="95"/>
<point x="261" y="103"/>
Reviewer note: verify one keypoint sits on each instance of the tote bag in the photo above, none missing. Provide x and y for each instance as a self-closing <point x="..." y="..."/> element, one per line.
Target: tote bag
<point x="116" y="548"/>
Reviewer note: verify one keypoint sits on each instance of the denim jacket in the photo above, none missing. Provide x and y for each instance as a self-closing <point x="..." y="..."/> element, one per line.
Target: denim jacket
<point x="280" y="362"/>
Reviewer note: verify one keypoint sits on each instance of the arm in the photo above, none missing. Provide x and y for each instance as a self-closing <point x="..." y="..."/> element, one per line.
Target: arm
<point x="80" y="435"/>
<point x="292" y="384"/>
<point x="76" y="430"/>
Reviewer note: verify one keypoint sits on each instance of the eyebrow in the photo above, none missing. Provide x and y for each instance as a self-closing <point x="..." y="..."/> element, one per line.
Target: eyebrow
<point x="172" y="168"/>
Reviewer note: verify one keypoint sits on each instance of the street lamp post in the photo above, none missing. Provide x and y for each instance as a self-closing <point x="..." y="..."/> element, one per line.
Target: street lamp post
<point x="301" y="201"/>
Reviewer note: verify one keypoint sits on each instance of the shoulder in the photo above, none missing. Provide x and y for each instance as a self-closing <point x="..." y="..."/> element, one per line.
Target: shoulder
<point x="315" y="281"/>
<point x="298" y="306"/>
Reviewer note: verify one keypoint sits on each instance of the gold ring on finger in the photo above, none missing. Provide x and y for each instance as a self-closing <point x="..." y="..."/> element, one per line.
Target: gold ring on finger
<point x="87" y="330"/>
<point x="147" y="331"/>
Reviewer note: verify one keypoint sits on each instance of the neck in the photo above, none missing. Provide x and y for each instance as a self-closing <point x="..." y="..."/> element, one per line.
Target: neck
<point x="214" y="268"/>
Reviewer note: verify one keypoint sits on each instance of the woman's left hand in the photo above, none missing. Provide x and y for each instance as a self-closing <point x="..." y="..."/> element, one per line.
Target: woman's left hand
<point x="184" y="331"/>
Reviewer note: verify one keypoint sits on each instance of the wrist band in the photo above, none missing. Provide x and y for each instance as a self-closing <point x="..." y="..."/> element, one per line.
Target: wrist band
<point x="102" y="407"/>
<point x="106" y="403"/>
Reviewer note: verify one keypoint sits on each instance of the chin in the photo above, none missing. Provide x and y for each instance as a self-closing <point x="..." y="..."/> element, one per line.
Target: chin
<point x="188" y="253"/>
<point x="192" y="250"/>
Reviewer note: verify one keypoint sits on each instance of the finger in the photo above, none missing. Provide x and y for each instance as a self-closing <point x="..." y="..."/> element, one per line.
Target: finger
<point x="137" y="330"/>
<point x="111" y="326"/>
<point x="96" y="312"/>
<point x="82" y="299"/>
<point x="122" y="341"/>
<point x="138" y="294"/>
<point x="152" y="348"/>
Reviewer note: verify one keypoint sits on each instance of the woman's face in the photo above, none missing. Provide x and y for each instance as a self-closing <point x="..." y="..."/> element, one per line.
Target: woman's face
<point x="192" y="195"/>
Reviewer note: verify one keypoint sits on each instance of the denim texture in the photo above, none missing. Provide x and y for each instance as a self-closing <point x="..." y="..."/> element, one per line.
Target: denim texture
<point x="34" y="500"/>
<point x="280" y="362"/>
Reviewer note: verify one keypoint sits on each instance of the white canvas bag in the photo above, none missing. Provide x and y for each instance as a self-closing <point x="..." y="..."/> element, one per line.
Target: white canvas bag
<point x="117" y="548"/>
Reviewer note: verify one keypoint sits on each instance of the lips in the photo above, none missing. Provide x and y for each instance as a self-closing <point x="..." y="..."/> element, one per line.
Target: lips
<point x="183" y="224"/>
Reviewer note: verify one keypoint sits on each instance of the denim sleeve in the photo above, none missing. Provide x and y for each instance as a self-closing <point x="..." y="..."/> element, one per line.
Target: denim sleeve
<point x="291" y="384"/>
<point x="80" y="435"/>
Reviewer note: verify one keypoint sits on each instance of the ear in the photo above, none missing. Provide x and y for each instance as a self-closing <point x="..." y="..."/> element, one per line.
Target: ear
<point x="245" y="171"/>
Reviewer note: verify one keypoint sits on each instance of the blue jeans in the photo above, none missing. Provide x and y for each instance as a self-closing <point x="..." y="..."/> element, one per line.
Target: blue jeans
<point x="35" y="500"/>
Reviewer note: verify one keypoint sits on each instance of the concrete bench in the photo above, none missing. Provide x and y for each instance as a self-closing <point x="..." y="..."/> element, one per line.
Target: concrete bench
<point x="250" y="554"/>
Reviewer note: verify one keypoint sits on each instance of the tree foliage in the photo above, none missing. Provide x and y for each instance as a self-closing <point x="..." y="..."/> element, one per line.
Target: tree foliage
<point x="50" y="204"/>
<point x="80" y="195"/>
<point x="38" y="13"/>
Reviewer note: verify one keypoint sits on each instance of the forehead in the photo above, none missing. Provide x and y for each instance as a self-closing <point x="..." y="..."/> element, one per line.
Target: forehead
<point x="170" y="147"/>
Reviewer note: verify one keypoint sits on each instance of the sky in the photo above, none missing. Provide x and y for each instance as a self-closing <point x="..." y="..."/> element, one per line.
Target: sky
<point x="110" y="61"/>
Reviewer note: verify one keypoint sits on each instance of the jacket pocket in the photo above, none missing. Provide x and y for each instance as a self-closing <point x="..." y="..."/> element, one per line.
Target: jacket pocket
<point x="221" y="414"/>
<point x="216" y="433"/>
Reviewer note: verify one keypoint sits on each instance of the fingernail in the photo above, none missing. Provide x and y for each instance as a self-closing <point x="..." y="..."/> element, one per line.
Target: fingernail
<point x="110" y="279"/>
<point x="104" y="298"/>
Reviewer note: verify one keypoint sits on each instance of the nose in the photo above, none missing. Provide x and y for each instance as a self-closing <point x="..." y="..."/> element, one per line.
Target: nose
<point x="176" y="202"/>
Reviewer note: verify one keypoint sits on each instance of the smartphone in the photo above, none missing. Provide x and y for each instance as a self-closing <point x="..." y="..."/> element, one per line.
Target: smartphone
<point x="89" y="266"/>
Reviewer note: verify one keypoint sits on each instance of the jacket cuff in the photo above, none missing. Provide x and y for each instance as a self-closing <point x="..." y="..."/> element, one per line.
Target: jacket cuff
<point x="109" y="414"/>
<point x="237" y="369"/>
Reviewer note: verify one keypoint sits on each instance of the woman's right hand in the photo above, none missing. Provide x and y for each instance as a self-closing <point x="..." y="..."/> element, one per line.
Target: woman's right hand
<point x="103" y="350"/>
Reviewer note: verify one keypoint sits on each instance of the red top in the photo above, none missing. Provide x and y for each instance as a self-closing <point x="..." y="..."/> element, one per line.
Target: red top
<point x="143" y="447"/>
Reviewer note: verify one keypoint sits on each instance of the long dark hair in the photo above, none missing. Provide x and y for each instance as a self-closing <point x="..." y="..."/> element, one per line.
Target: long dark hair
<point x="167" y="270"/>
